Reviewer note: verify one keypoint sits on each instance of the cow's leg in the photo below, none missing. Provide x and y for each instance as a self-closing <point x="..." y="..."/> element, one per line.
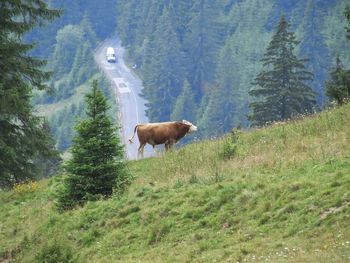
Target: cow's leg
<point x="155" y="150"/>
<point x="169" y="144"/>
<point x="140" y="151"/>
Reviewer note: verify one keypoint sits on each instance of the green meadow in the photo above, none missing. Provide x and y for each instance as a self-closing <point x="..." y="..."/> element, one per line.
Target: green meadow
<point x="276" y="194"/>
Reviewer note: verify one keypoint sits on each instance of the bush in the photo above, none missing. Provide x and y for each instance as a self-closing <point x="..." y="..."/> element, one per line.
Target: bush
<point x="230" y="146"/>
<point x="24" y="188"/>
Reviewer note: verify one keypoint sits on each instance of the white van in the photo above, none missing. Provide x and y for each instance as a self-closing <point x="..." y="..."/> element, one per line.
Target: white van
<point x="110" y="55"/>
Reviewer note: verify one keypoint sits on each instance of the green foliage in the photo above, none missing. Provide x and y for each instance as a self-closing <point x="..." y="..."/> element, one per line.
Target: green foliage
<point x="166" y="75"/>
<point x="313" y="46"/>
<point x="202" y="41"/>
<point x="338" y="86"/>
<point x="68" y="44"/>
<point x="226" y="101"/>
<point x="96" y="166"/>
<point x="231" y="144"/>
<point x="282" y="91"/>
<point x="68" y="40"/>
<point x="102" y="15"/>
<point x="185" y="104"/>
<point x="72" y="61"/>
<point x="347" y="15"/>
<point x="22" y="134"/>
<point x="221" y="45"/>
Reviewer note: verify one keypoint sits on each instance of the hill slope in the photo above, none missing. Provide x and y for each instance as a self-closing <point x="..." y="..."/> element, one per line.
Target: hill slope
<point x="284" y="197"/>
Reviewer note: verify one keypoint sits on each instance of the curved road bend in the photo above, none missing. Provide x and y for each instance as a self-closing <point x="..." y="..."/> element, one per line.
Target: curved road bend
<point x="127" y="87"/>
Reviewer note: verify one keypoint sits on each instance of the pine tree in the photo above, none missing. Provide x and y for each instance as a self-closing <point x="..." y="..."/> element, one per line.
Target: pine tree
<point x="313" y="45"/>
<point x="185" y="106"/>
<point x="68" y="41"/>
<point x="338" y="87"/>
<point x="281" y="91"/>
<point x="96" y="166"/>
<point x="225" y="107"/>
<point x="347" y="16"/>
<point x="22" y="134"/>
<point x="202" y="42"/>
<point x="164" y="75"/>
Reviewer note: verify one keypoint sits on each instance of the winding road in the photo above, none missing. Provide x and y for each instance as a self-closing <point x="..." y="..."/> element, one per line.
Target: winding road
<point x="127" y="88"/>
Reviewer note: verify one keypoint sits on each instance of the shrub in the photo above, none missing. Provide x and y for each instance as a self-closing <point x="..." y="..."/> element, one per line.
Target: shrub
<point x="230" y="146"/>
<point x="24" y="188"/>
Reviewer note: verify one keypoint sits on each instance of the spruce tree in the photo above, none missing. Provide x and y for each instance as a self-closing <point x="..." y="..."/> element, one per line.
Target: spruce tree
<point x="225" y="108"/>
<point x="22" y="135"/>
<point x="165" y="74"/>
<point x="338" y="86"/>
<point x="347" y="16"/>
<point x="281" y="90"/>
<point x="96" y="166"/>
<point x="185" y="106"/>
<point x="313" y="45"/>
<point x="202" y="41"/>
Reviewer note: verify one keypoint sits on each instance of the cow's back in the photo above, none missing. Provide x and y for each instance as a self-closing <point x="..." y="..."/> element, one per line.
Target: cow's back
<point x="157" y="133"/>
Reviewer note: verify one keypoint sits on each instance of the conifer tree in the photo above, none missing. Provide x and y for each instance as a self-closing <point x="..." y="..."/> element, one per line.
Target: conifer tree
<point x="165" y="74"/>
<point x="281" y="91"/>
<point x="96" y="166"/>
<point x="202" y="42"/>
<point x="68" y="42"/>
<point x="185" y="106"/>
<point x="22" y="134"/>
<point x="225" y="107"/>
<point x="313" y="45"/>
<point x="347" y="16"/>
<point x="338" y="87"/>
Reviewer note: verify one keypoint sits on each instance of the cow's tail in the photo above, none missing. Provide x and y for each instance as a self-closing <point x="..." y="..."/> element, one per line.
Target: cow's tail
<point x="135" y="129"/>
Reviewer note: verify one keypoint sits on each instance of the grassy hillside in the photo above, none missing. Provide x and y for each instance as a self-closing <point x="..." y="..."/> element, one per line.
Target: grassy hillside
<point x="284" y="197"/>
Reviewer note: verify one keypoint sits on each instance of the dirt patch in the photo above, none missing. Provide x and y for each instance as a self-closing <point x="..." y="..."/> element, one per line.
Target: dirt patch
<point x="334" y="210"/>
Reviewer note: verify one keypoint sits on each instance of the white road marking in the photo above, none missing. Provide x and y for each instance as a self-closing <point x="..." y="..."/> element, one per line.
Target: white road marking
<point x="118" y="80"/>
<point x="121" y="85"/>
<point x="109" y="67"/>
<point x="124" y="90"/>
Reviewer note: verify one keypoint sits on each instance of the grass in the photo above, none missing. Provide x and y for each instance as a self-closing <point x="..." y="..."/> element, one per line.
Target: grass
<point x="282" y="197"/>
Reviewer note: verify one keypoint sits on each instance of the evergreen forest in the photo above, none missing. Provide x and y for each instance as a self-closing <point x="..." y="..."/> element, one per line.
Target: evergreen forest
<point x="197" y="59"/>
<point x="212" y="51"/>
<point x="260" y="89"/>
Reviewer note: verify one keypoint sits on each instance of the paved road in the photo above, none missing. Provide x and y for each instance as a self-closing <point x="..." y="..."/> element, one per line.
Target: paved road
<point x="127" y="87"/>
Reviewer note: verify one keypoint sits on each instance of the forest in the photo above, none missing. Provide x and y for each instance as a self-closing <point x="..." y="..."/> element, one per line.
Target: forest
<point x="204" y="55"/>
<point x="197" y="59"/>
<point x="265" y="178"/>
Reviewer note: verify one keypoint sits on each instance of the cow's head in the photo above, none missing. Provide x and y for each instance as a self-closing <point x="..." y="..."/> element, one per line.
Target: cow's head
<point x="193" y="128"/>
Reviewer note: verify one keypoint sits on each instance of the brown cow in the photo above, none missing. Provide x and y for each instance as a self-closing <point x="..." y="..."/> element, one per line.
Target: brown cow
<point x="167" y="133"/>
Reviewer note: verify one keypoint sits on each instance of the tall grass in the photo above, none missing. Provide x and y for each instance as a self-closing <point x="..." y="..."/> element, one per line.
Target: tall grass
<point x="282" y="197"/>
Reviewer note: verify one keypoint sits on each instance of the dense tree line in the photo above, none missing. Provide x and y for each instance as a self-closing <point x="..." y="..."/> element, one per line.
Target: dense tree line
<point x="68" y="44"/>
<point x="211" y="51"/>
<point x="338" y="85"/>
<point x="25" y="138"/>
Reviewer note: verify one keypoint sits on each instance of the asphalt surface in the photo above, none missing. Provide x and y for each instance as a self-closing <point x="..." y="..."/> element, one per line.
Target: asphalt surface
<point x="127" y="88"/>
